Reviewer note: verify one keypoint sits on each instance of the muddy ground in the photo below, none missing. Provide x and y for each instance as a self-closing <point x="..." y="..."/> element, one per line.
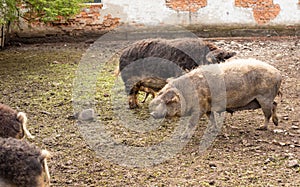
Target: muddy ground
<point x="38" y="79"/>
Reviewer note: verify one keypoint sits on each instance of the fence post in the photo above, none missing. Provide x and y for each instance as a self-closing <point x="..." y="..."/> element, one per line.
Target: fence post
<point x="2" y="39"/>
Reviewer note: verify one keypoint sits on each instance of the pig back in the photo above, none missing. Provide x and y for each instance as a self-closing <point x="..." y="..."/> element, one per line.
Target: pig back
<point x="161" y="58"/>
<point x="232" y="84"/>
<point x="247" y="79"/>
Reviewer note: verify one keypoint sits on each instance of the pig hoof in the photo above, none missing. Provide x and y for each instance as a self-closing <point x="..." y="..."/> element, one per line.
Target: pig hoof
<point x="275" y="121"/>
<point x="262" y="128"/>
<point x="133" y="107"/>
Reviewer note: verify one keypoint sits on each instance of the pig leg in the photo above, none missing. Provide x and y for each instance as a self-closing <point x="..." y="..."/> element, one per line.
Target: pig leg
<point x="132" y="101"/>
<point x="214" y="125"/>
<point x="267" y="108"/>
<point x="148" y="91"/>
<point x="147" y="94"/>
<point x="210" y="133"/>
<point x="194" y="120"/>
<point x="153" y="94"/>
<point x="211" y="117"/>
<point x="274" y="116"/>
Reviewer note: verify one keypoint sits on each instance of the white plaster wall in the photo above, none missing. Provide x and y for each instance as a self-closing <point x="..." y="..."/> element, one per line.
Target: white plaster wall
<point x="289" y="14"/>
<point x="138" y="11"/>
<point x="223" y="12"/>
<point x="217" y="12"/>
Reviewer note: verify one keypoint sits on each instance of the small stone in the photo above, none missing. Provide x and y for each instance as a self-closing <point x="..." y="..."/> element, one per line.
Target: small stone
<point x="288" y="108"/>
<point x="212" y="165"/>
<point x="262" y="44"/>
<point x="278" y="56"/>
<point x="278" y="143"/>
<point x="90" y="41"/>
<point x="295" y="127"/>
<point x="286" y="117"/>
<point x="282" y="143"/>
<point x="291" y="134"/>
<point x="87" y="115"/>
<point x="46" y="113"/>
<point x="212" y="182"/>
<point x="278" y="130"/>
<point x="292" y="163"/>
<point x="245" y="142"/>
<point x="268" y="160"/>
<point x="289" y="155"/>
<point x="69" y="162"/>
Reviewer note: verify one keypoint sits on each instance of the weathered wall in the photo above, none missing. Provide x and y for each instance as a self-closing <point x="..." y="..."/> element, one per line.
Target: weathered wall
<point x="198" y="13"/>
<point x="90" y="20"/>
<point x="208" y="12"/>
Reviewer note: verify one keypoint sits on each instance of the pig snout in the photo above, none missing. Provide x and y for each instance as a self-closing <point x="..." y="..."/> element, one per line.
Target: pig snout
<point x="158" y="111"/>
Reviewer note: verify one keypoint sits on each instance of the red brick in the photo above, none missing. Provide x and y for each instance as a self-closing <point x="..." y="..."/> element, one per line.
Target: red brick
<point x="186" y="5"/>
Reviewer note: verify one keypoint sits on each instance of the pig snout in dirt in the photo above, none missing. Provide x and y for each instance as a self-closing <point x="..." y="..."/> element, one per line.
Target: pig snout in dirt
<point x="158" y="110"/>
<point x="169" y="104"/>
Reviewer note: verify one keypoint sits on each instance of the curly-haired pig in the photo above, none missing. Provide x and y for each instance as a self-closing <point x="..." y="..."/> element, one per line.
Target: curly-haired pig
<point x="239" y="84"/>
<point x="22" y="164"/>
<point x="13" y="123"/>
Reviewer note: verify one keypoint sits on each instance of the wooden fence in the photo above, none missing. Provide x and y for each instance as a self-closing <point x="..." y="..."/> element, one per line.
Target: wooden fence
<point x="2" y="36"/>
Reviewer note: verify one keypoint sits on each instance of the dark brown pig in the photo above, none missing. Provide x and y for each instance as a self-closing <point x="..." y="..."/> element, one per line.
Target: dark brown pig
<point x="22" y="164"/>
<point x="13" y="123"/>
<point x="149" y="85"/>
<point x="240" y="84"/>
<point x="161" y="58"/>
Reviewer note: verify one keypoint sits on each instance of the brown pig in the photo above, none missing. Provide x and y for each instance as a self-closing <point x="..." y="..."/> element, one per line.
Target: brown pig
<point x="13" y="123"/>
<point x="22" y="164"/>
<point x="238" y="84"/>
<point x="149" y="85"/>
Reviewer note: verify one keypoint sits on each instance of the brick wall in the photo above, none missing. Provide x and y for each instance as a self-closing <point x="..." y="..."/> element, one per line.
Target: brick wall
<point x="186" y="5"/>
<point x="201" y="13"/>
<point x="90" y="19"/>
<point x="263" y="10"/>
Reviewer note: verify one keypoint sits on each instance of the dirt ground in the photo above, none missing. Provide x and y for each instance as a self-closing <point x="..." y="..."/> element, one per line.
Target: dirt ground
<point x="38" y="79"/>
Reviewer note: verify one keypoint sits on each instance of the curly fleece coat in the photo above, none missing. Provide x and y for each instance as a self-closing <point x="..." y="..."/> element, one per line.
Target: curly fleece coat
<point x="22" y="164"/>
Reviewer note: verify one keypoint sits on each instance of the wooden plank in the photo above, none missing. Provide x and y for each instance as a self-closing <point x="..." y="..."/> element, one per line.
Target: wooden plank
<point x="2" y="38"/>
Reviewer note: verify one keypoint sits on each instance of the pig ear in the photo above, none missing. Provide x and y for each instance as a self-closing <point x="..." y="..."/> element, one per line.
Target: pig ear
<point x="174" y="99"/>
